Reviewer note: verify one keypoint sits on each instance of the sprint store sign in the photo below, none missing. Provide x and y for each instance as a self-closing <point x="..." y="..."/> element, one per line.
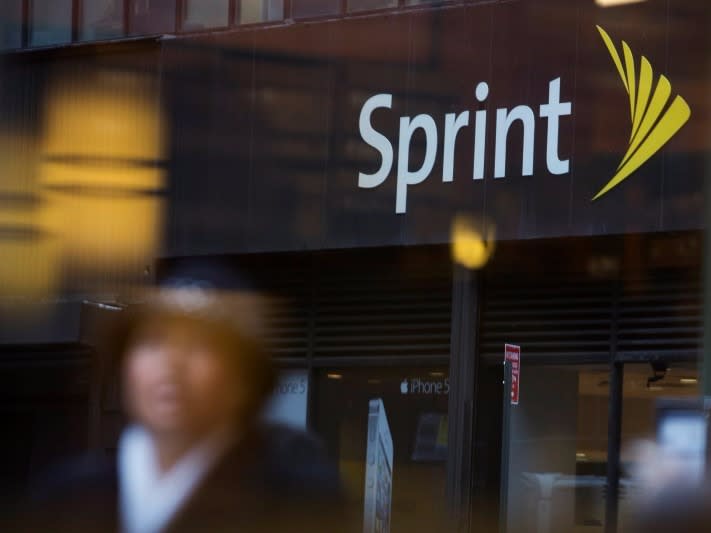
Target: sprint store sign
<point x="655" y="118"/>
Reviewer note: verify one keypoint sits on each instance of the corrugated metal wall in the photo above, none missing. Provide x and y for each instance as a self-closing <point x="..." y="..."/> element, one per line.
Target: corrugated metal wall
<point x="350" y="306"/>
<point x="656" y="317"/>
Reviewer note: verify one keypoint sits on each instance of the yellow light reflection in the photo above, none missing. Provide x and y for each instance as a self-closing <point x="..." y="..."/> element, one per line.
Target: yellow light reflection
<point x="470" y="247"/>
<point x="28" y="265"/>
<point x="102" y="171"/>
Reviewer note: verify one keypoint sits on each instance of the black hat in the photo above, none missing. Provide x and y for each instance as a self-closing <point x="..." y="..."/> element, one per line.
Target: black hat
<point x="215" y="296"/>
<point x="210" y="292"/>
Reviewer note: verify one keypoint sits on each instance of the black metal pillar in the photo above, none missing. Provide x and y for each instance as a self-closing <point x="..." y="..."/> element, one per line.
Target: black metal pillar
<point x="706" y="278"/>
<point x="462" y="377"/>
<point x="614" y="435"/>
<point x="505" y="449"/>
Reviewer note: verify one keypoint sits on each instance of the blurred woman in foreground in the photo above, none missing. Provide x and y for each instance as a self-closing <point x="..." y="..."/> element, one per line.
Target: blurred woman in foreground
<point x="196" y="456"/>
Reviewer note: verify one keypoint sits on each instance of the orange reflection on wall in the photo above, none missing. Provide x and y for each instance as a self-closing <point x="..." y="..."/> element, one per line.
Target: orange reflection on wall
<point x="103" y="172"/>
<point x="28" y="253"/>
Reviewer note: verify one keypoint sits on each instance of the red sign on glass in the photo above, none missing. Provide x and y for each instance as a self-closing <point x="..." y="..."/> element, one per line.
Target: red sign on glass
<point x="513" y="356"/>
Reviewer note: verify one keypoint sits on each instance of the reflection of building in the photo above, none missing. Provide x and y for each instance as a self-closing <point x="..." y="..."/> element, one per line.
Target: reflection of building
<point x="102" y="171"/>
<point x="253" y="137"/>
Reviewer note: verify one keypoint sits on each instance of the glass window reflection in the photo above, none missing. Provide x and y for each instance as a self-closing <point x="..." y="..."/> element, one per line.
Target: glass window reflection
<point x="355" y="412"/>
<point x="314" y="8"/>
<point x="367" y="5"/>
<point x="557" y="449"/>
<point x="102" y="19"/>
<point x="153" y="16"/>
<point x="203" y="14"/>
<point x="647" y="461"/>
<point x="51" y="22"/>
<point x="254" y="11"/>
<point x="10" y="24"/>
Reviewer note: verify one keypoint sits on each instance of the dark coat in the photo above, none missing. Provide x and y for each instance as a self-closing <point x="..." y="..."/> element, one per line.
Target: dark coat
<point x="274" y="479"/>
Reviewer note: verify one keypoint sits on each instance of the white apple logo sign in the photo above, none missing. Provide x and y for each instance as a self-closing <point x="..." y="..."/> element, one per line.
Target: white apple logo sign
<point x="403" y="386"/>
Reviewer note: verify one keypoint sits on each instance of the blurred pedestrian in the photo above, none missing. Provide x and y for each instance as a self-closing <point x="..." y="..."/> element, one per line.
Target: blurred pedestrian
<point x="196" y="455"/>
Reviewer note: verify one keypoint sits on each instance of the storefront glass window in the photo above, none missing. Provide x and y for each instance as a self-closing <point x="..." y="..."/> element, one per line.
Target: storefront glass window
<point x="367" y="5"/>
<point x="314" y="8"/>
<point x="663" y="432"/>
<point x="153" y="16"/>
<point x="102" y="19"/>
<point x="253" y="11"/>
<point x="556" y="440"/>
<point x="51" y="22"/>
<point x="10" y="24"/>
<point x="203" y="14"/>
<point x="387" y="427"/>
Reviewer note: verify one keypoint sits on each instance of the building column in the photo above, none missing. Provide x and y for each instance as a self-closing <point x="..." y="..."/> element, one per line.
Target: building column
<point x="462" y="377"/>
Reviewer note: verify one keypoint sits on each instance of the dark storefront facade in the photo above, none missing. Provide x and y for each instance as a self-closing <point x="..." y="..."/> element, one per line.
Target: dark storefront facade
<point x="340" y="161"/>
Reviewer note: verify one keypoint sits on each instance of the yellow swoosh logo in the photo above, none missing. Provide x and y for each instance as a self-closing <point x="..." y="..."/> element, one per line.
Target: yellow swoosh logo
<point x="653" y="121"/>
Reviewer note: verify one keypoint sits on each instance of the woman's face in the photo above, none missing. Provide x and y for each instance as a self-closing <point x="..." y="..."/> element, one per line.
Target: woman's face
<point x="180" y="379"/>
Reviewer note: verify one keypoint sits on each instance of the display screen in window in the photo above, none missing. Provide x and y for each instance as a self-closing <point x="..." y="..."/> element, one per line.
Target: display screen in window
<point x="360" y="413"/>
<point x="288" y="404"/>
<point x="378" y="470"/>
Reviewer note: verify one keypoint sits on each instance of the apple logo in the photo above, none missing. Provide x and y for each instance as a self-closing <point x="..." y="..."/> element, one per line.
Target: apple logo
<point x="403" y="386"/>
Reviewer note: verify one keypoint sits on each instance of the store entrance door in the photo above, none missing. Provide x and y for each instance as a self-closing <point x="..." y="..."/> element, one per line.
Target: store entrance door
<point x="555" y="474"/>
<point x="555" y="450"/>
